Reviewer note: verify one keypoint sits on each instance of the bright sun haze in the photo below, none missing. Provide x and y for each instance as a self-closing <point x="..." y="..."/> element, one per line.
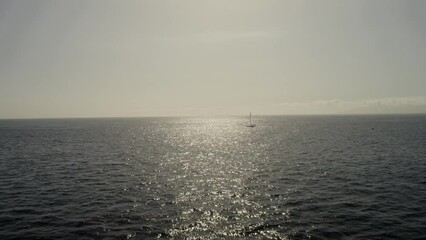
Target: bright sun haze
<point x="174" y="58"/>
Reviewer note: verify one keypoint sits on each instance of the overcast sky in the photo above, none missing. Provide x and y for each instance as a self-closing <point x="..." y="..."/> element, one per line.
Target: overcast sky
<point x="102" y="58"/>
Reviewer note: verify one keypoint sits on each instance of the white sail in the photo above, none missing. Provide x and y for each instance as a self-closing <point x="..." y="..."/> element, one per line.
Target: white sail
<point x="251" y="124"/>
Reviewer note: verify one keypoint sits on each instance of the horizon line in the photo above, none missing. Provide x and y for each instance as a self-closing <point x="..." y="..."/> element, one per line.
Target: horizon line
<point x="212" y="115"/>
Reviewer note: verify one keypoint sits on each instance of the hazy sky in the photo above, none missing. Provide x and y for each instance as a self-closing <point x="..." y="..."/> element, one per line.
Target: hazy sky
<point x="101" y="58"/>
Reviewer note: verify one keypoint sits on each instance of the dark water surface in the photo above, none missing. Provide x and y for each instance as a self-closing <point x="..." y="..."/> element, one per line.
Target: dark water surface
<point x="328" y="177"/>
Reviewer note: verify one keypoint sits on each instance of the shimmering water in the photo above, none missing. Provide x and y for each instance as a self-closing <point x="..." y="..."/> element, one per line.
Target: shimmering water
<point x="330" y="177"/>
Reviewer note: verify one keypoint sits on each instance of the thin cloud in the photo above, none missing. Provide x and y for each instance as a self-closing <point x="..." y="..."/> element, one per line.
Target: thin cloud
<point x="223" y="36"/>
<point x="380" y="105"/>
<point x="210" y="37"/>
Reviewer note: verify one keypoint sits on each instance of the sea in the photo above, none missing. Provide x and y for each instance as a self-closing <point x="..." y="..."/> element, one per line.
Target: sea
<point x="290" y="177"/>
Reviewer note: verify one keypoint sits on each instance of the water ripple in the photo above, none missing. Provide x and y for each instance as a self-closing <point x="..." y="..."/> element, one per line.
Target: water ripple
<point x="213" y="178"/>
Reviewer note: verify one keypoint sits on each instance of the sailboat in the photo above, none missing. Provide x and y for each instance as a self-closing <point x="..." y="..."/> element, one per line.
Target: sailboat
<point x="251" y="124"/>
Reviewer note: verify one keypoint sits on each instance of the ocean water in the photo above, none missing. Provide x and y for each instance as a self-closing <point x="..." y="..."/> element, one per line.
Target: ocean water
<point x="298" y="177"/>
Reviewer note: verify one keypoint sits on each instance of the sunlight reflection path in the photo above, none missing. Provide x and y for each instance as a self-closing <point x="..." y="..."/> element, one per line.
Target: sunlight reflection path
<point x="208" y="170"/>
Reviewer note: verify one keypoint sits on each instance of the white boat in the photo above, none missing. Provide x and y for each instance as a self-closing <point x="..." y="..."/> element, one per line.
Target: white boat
<point x="251" y="124"/>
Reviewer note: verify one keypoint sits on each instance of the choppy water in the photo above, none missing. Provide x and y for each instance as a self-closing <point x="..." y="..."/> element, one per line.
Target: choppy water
<point x="351" y="177"/>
